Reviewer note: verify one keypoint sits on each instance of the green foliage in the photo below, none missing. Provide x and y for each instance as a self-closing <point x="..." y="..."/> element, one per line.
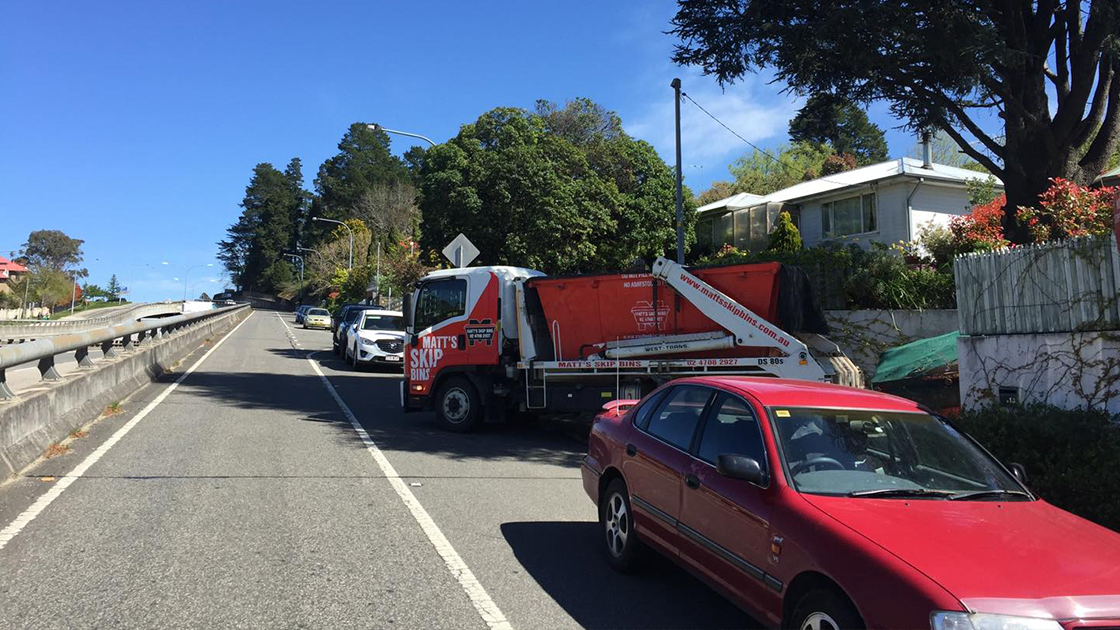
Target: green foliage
<point x="981" y="191"/>
<point x="114" y="288"/>
<point x="269" y="225"/>
<point x="362" y="163"/>
<point x="830" y="119"/>
<point x="51" y="249"/>
<point x="877" y="278"/>
<point x="761" y="173"/>
<point x="562" y="190"/>
<point x="785" y="237"/>
<point x="10" y="299"/>
<point x="719" y="190"/>
<point x="1070" y="456"/>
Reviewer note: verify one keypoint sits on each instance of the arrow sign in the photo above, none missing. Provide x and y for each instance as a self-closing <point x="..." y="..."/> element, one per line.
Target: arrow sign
<point x="461" y="251"/>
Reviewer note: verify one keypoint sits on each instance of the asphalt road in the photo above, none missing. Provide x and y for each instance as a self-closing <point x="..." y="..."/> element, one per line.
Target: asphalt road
<point x="246" y="497"/>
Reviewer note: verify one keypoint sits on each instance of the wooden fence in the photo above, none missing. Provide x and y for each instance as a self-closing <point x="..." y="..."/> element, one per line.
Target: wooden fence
<point x="1061" y="286"/>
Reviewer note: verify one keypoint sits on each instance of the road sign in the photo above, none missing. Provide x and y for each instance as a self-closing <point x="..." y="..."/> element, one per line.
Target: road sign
<point x="461" y="251"/>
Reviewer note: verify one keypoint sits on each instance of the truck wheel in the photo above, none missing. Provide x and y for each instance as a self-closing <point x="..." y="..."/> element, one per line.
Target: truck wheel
<point x="458" y="406"/>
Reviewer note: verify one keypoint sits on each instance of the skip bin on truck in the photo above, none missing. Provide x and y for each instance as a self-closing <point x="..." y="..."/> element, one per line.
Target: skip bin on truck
<point x="483" y="342"/>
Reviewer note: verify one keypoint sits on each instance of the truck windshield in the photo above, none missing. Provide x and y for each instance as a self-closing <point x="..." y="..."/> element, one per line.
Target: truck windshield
<point x="383" y="322"/>
<point x="879" y="453"/>
<point x="440" y="300"/>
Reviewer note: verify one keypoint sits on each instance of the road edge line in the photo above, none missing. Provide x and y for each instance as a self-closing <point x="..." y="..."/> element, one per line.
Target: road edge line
<point x="487" y="609"/>
<point x="40" y="504"/>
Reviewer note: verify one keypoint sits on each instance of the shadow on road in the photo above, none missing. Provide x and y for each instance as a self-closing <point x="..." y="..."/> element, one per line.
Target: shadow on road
<point x="375" y="400"/>
<point x="565" y="559"/>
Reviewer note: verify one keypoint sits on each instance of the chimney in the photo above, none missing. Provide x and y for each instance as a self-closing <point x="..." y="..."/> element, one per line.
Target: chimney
<point x="927" y="152"/>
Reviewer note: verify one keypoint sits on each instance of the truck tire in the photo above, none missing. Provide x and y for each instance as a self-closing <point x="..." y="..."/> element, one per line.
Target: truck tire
<point x="458" y="405"/>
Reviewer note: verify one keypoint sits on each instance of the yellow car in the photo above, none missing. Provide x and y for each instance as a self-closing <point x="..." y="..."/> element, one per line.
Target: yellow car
<point x="317" y="318"/>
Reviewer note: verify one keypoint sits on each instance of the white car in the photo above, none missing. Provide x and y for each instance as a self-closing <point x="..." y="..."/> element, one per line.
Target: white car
<point x="376" y="337"/>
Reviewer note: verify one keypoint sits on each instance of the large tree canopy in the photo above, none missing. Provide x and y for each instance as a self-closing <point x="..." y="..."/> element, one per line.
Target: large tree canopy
<point x="363" y="162"/>
<point x="943" y="64"/>
<point x="830" y="119"/>
<point x="561" y="190"/>
<point x="51" y="249"/>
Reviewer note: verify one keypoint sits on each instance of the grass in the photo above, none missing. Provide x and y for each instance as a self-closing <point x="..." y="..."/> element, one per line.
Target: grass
<point x="56" y="449"/>
<point x="78" y="433"/>
<point x="112" y="409"/>
<point x="89" y="306"/>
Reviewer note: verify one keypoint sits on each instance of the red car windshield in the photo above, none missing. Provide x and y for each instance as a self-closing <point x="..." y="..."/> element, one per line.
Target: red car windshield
<point x="879" y="453"/>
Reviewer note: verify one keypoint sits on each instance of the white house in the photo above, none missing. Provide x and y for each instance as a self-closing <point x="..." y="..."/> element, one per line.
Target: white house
<point x="886" y="202"/>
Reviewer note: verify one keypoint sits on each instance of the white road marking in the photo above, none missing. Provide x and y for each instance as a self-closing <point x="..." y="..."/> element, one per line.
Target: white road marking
<point x="485" y="606"/>
<point x="38" y="506"/>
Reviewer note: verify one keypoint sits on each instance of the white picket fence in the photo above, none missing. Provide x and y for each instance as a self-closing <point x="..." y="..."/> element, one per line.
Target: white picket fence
<point x="1060" y="286"/>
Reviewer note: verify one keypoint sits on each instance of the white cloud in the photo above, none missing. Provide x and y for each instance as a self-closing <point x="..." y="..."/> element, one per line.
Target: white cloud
<point x="752" y="108"/>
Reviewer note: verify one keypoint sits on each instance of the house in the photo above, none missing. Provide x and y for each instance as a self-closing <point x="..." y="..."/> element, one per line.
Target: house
<point x="8" y="272"/>
<point x="886" y="203"/>
<point x="1109" y="178"/>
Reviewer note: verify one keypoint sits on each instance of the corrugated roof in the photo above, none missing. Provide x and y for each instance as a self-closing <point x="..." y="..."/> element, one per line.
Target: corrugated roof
<point x="908" y="167"/>
<point x="1105" y="175"/>
<point x="8" y="265"/>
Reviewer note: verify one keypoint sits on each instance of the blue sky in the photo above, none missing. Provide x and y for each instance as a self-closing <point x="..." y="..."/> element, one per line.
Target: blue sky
<point x="135" y="125"/>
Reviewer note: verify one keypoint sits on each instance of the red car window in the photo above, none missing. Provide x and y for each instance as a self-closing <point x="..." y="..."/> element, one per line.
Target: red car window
<point x="675" y="421"/>
<point x="731" y="429"/>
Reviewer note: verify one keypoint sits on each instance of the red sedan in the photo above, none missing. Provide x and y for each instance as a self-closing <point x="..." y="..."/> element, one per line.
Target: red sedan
<point x="819" y="506"/>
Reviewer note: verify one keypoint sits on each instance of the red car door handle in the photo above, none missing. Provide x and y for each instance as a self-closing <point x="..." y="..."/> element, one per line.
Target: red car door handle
<point x="631" y="450"/>
<point x="692" y="481"/>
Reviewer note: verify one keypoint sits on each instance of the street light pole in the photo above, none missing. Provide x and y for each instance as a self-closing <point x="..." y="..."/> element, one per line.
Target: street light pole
<point x="188" y="274"/>
<point x="376" y="127"/>
<point x="300" y="259"/>
<point x="349" y="229"/>
<point x="676" y="85"/>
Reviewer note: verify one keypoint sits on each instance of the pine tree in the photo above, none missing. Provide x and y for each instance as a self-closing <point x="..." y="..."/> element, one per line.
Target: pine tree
<point x="785" y="237"/>
<point x="114" y="288"/>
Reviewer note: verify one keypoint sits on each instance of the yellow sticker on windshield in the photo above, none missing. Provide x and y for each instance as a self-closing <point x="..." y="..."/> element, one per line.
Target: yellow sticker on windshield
<point x="781" y="413"/>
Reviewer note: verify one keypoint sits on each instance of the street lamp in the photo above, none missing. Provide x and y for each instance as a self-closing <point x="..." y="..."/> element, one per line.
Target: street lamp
<point x="376" y="127"/>
<point x="300" y="259"/>
<point x="348" y="229"/>
<point x="188" y="274"/>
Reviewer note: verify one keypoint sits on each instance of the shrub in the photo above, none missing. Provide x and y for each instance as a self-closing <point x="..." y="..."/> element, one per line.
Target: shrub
<point x="1069" y="210"/>
<point x="785" y="237"/>
<point x="982" y="230"/>
<point x="1070" y="456"/>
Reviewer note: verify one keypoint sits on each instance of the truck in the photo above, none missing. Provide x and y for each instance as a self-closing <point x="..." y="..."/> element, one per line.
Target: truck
<point x="483" y="343"/>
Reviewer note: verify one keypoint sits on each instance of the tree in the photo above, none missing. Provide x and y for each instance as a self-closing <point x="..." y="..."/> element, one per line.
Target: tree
<point x="763" y="172"/>
<point x="941" y="64"/>
<point x="838" y="163"/>
<point x="362" y="163"/>
<point x="51" y="249"/>
<point x="785" y="237"/>
<point x="272" y="211"/>
<point x="827" y="118"/>
<point x="566" y="191"/>
<point x="113" y="290"/>
<point x="719" y="190"/>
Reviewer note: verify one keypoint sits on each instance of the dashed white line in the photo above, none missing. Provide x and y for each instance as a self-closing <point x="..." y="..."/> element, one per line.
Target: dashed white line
<point x="63" y="483"/>
<point x="485" y="606"/>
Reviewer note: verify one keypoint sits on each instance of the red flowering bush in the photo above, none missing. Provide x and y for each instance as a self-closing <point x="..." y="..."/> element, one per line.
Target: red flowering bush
<point x="1069" y="210"/>
<point x="981" y="230"/>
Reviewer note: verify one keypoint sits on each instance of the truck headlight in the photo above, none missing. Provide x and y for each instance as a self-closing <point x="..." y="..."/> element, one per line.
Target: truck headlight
<point x="941" y="620"/>
<point x="367" y="342"/>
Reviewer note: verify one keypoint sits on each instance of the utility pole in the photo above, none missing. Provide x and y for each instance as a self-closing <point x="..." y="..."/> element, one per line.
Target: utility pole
<point x="348" y="229"/>
<point x="676" y="84"/>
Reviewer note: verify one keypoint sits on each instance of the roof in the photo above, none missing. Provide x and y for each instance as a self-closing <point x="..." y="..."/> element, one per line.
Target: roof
<point x="1113" y="174"/>
<point x="902" y="167"/>
<point x="501" y="270"/>
<point x="784" y="392"/>
<point x="918" y="358"/>
<point x="9" y="266"/>
<point x="740" y="200"/>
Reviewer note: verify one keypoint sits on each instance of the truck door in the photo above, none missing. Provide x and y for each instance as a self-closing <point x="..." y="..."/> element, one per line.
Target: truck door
<point x="441" y="313"/>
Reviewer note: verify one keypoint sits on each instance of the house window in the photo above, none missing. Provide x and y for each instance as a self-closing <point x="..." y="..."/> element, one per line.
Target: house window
<point x="854" y="215"/>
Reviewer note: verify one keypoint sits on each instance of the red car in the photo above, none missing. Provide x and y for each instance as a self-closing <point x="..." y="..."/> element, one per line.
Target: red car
<point x="818" y="506"/>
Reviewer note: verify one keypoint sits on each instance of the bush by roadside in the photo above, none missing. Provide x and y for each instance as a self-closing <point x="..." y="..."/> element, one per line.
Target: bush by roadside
<point x="1071" y="456"/>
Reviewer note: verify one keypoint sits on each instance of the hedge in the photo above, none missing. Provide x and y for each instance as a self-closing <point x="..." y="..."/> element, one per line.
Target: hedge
<point x="1072" y="458"/>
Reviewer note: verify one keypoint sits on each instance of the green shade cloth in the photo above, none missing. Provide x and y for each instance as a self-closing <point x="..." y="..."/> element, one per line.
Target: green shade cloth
<point x="917" y="358"/>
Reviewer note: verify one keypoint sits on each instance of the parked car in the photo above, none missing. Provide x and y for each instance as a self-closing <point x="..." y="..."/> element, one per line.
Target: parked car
<point x="376" y="337"/>
<point x="317" y="318"/>
<point x="300" y="310"/>
<point x="818" y="506"/>
<point x="341" y="321"/>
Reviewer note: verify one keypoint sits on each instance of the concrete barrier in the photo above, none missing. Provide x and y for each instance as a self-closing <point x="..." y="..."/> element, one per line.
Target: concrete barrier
<point x="31" y="423"/>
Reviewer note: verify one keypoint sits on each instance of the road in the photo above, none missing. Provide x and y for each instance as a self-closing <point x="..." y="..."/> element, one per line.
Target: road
<point x="242" y="495"/>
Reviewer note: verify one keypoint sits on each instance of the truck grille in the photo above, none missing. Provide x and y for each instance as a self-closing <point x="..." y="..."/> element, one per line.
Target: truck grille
<point x="390" y="345"/>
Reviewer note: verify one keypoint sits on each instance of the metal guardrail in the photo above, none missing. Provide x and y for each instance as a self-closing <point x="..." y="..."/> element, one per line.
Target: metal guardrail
<point x="17" y="329"/>
<point x="45" y="350"/>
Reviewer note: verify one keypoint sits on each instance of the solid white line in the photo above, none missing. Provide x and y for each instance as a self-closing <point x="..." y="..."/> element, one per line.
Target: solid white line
<point x="63" y="483"/>
<point x="485" y="606"/>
